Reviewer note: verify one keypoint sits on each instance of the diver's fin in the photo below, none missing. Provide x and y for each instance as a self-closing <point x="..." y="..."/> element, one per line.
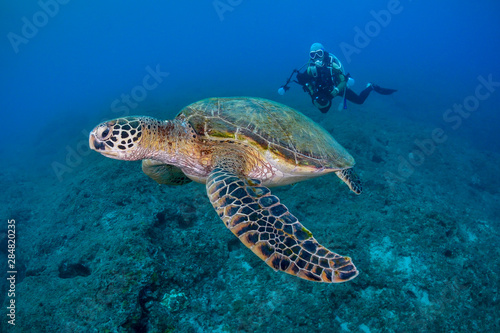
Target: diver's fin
<point x="383" y="91"/>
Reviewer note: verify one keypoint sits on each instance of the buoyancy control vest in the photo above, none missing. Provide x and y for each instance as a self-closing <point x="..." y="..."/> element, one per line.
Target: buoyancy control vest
<point x="326" y="76"/>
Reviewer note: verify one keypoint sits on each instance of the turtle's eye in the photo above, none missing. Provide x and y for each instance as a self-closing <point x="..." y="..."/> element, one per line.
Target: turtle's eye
<point x="103" y="132"/>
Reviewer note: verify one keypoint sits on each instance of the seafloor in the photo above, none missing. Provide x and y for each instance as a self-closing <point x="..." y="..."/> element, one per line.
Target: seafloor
<point x="106" y="249"/>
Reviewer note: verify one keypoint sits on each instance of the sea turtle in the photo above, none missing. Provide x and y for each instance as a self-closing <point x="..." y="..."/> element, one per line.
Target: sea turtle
<point x="239" y="147"/>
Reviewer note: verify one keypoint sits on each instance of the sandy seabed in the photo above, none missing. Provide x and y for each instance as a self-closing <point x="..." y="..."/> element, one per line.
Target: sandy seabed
<point x="106" y="249"/>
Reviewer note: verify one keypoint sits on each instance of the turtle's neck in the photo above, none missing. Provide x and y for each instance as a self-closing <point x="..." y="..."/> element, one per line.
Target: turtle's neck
<point x="164" y="140"/>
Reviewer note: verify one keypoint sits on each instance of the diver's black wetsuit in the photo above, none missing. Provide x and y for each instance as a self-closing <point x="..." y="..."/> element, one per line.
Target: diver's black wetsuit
<point x="320" y="88"/>
<point x="351" y="96"/>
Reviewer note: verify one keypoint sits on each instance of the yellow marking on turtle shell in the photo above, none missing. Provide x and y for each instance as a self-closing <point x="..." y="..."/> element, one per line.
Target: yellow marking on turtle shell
<point x="251" y="182"/>
<point x="309" y="234"/>
<point x="219" y="134"/>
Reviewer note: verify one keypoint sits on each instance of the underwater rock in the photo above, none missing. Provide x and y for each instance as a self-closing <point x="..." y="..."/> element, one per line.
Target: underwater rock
<point x="68" y="271"/>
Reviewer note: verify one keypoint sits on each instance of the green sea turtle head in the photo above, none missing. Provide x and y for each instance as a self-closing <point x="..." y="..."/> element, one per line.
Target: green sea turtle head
<point x="120" y="138"/>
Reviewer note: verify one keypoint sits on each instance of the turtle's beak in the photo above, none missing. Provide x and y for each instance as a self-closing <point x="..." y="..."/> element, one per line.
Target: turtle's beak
<point x="100" y="147"/>
<point x="96" y="144"/>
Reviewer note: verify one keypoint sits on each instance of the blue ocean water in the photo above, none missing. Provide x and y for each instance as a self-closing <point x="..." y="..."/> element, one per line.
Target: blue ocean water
<point x="67" y="65"/>
<point x="79" y="62"/>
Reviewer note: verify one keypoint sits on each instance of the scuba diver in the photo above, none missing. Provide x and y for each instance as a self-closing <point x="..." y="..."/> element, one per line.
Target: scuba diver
<point x="325" y="78"/>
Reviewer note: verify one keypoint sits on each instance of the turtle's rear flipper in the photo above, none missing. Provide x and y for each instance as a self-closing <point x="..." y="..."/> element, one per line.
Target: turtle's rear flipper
<point x="351" y="179"/>
<point x="164" y="173"/>
<point x="266" y="226"/>
<point x="383" y="91"/>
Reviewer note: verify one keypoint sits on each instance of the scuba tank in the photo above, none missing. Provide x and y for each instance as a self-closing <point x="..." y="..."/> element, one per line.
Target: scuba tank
<point x="350" y="82"/>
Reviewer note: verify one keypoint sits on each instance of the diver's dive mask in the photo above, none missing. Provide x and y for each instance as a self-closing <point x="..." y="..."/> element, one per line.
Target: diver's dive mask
<point x="316" y="54"/>
<point x="317" y="57"/>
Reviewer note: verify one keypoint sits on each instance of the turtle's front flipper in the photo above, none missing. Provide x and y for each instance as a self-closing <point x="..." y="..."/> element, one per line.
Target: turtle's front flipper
<point x="266" y="226"/>
<point x="164" y="173"/>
